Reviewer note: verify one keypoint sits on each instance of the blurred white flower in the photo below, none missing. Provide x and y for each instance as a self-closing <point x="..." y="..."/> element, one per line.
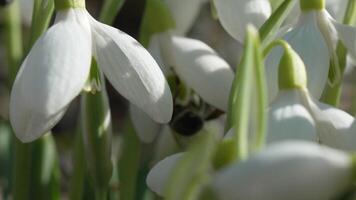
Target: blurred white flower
<point x="314" y="38"/>
<point x="286" y="170"/>
<point x="235" y="15"/>
<point x="291" y="170"/>
<point x="57" y="68"/>
<point x="194" y="62"/>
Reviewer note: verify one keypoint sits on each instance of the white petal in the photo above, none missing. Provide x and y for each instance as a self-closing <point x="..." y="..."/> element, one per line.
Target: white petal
<point x="145" y="127"/>
<point x="53" y="73"/>
<point x="289" y="119"/>
<point x="234" y="15"/>
<point x="288" y="170"/>
<point x="166" y="144"/>
<point x="309" y="43"/>
<point x="184" y="13"/>
<point x="347" y="34"/>
<point x="203" y="70"/>
<point x="157" y="47"/>
<point x="158" y="176"/>
<point x="332" y="125"/>
<point x="132" y="71"/>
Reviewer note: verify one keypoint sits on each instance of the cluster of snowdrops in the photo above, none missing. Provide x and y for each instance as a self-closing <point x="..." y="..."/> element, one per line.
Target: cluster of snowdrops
<point x="284" y="136"/>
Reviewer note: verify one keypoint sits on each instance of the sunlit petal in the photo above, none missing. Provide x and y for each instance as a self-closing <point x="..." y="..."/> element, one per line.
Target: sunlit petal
<point x="53" y="73"/>
<point x="132" y="71"/>
<point x="203" y="70"/>
<point x="289" y="119"/>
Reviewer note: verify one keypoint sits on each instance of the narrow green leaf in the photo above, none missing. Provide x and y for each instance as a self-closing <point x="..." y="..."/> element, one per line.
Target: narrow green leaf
<point x="274" y="22"/>
<point x="12" y="38"/>
<point x="261" y="96"/>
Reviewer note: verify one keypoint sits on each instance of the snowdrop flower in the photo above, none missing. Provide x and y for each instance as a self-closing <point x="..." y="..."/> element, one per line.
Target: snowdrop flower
<point x="294" y="114"/>
<point x="235" y="15"/>
<point x="314" y="40"/>
<point x="194" y="62"/>
<point x="56" y="70"/>
<point x="289" y="170"/>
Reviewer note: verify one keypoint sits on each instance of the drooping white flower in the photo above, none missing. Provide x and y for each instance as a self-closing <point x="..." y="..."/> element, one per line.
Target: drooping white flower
<point x="235" y="15"/>
<point x="57" y="68"/>
<point x="294" y="114"/>
<point x="198" y="66"/>
<point x="290" y="170"/>
<point x="314" y="38"/>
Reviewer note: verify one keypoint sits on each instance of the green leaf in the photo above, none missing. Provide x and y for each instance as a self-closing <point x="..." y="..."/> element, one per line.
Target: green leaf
<point x="156" y="19"/>
<point x="192" y="171"/>
<point x="250" y="76"/>
<point x="274" y="22"/>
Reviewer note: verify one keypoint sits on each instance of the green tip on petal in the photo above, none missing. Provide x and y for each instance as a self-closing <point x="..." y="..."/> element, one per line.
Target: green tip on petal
<point x="66" y="4"/>
<point x="291" y="71"/>
<point x="312" y="5"/>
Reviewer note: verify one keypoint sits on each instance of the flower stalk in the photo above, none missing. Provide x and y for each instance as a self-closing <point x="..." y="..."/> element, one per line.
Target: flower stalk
<point x="13" y="39"/>
<point x="332" y="94"/>
<point x="96" y="127"/>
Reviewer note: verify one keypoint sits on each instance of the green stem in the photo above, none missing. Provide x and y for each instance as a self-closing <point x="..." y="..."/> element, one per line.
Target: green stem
<point x="22" y="171"/>
<point x="129" y="163"/>
<point x="96" y="129"/>
<point x="109" y="10"/>
<point x="272" y="25"/>
<point x="332" y="94"/>
<point x="42" y="14"/>
<point x="78" y="177"/>
<point x="13" y="39"/>
<point x="101" y="194"/>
